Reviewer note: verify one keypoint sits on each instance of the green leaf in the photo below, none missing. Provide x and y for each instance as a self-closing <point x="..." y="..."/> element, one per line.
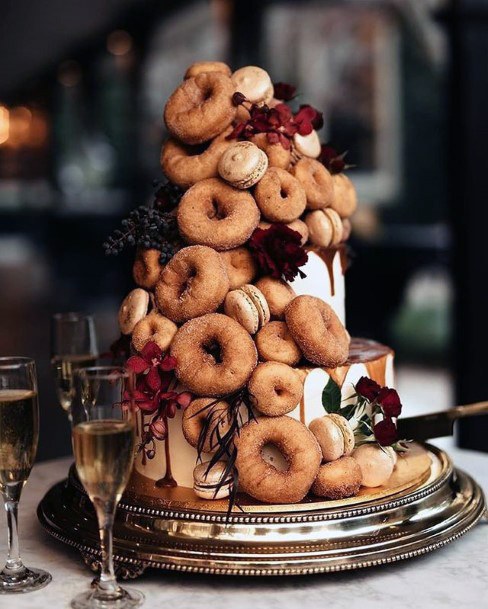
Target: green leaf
<point x="331" y="396"/>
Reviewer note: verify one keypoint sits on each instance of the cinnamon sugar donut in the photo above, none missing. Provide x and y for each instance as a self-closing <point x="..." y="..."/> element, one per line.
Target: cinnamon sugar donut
<point x="345" y="200"/>
<point x="275" y="389"/>
<point x="147" y="268"/>
<point x="240" y="266"/>
<point x="194" y="282"/>
<point x="316" y="181"/>
<point x="213" y="213"/>
<point x="338" y="479"/>
<point x="299" y="448"/>
<point x="214" y="355"/>
<point x="185" y="165"/>
<point x="280" y="196"/>
<point x="207" y="66"/>
<point x="277" y="155"/>
<point x="318" y="331"/>
<point x="200" y="108"/>
<point x="275" y="343"/>
<point x="156" y="328"/>
<point x="206" y="410"/>
<point x="278" y="295"/>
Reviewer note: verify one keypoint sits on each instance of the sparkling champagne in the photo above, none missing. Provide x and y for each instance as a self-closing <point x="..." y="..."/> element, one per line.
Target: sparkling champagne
<point x="104" y="453"/>
<point x="19" y="430"/>
<point x="64" y="367"/>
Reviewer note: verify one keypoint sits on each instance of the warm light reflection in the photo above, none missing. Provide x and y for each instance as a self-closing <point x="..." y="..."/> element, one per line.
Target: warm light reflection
<point x="20" y="122"/>
<point x="119" y="42"/>
<point x="69" y="73"/>
<point x="4" y="124"/>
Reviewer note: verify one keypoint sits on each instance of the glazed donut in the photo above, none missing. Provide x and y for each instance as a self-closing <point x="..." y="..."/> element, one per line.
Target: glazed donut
<point x="297" y="225"/>
<point x="275" y="389"/>
<point x="298" y="446"/>
<point x="194" y="282"/>
<point x="156" y="328"/>
<point x="194" y="417"/>
<point x="201" y="108"/>
<point x="277" y="155"/>
<point x="318" y="331"/>
<point x="275" y="343"/>
<point x="316" y="181"/>
<point x="338" y="479"/>
<point x="278" y="295"/>
<point x="280" y="196"/>
<point x="345" y="200"/>
<point x="147" y="268"/>
<point x="215" y="356"/>
<point x="213" y="213"/>
<point x="240" y="266"/>
<point x="185" y="165"/>
<point x="207" y="66"/>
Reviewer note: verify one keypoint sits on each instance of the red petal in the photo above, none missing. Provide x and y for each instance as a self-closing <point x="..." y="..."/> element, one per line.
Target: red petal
<point x="137" y="364"/>
<point x="153" y="380"/>
<point x="168" y="363"/>
<point x="385" y="432"/>
<point x="305" y="128"/>
<point x="147" y="406"/>
<point x="184" y="398"/>
<point x="151" y="351"/>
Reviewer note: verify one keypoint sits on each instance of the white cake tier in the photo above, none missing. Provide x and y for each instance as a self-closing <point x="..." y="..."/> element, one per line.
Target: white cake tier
<point x="366" y="358"/>
<point x="324" y="272"/>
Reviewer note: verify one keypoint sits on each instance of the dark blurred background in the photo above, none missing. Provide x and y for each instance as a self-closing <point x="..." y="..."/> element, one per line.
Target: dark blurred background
<point x="404" y="88"/>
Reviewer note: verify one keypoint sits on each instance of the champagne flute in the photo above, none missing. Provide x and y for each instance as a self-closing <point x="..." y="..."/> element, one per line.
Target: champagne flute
<point x="73" y="346"/>
<point x="103" y="426"/>
<point x="19" y="434"/>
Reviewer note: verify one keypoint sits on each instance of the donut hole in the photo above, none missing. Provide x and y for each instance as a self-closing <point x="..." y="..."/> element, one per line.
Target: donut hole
<point x="214" y="350"/>
<point x="283" y="193"/>
<point x="215" y="211"/>
<point x="185" y="286"/>
<point x="273" y="456"/>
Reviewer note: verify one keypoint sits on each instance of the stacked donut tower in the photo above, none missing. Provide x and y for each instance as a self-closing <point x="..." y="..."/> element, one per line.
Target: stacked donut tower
<point x="234" y="325"/>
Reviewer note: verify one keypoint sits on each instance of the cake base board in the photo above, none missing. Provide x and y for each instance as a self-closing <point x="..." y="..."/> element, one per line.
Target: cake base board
<point x="375" y="531"/>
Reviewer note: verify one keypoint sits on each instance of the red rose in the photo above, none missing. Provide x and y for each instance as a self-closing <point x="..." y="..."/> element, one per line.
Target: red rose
<point x="368" y="388"/>
<point x="278" y="251"/>
<point x="385" y="432"/>
<point x="390" y="402"/>
<point x="283" y="91"/>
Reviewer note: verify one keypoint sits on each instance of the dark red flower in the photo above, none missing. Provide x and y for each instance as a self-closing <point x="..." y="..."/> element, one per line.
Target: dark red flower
<point x="278" y="251"/>
<point x="283" y="91"/>
<point x="238" y="98"/>
<point x="368" y="388"/>
<point x="385" y="432"/>
<point x="332" y="160"/>
<point x="390" y="402"/>
<point x="308" y="118"/>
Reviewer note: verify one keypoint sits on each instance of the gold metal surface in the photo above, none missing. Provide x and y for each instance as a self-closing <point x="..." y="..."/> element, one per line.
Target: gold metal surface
<point x="431" y="511"/>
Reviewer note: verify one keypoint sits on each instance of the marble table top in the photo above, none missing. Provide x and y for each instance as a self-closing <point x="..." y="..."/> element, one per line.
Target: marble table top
<point x="455" y="576"/>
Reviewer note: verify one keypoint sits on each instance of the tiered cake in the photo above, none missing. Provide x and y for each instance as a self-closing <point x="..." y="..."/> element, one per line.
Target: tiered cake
<point x="247" y="380"/>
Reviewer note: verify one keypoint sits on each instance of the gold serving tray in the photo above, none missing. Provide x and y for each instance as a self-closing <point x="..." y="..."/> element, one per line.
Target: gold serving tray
<point x="426" y="505"/>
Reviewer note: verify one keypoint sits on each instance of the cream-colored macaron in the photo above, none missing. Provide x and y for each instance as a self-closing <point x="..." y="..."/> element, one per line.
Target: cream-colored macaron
<point x="242" y="165"/>
<point x="334" y="435"/>
<point x="376" y="463"/>
<point x="307" y="145"/>
<point x="324" y="227"/>
<point x="133" y="309"/>
<point x="208" y="483"/>
<point x="255" y="83"/>
<point x="248" y="306"/>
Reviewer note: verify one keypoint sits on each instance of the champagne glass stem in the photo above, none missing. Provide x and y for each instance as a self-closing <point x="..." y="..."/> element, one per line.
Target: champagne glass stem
<point x="11" y="496"/>
<point x="107" y="587"/>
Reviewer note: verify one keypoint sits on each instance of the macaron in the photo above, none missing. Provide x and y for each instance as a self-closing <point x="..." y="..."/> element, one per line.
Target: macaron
<point x="243" y="164"/>
<point x="324" y="227"/>
<point x="376" y="463"/>
<point x="334" y="435"/>
<point x="346" y="229"/>
<point x="307" y="145"/>
<point x="254" y="83"/>
<point x="338" y="479"/>
<point x="248" y="306"/>
<point x="133" y="309"/>
<point x="208" y="483"/>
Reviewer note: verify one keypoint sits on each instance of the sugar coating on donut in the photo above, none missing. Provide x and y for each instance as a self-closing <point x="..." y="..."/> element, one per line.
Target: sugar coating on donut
<point x="280" y="196"/>
<point x="240" y="266"/>
<point x="338" y="479"/>
<point x="155" y="328"/>
<point x="194" y="282"/>
<point x="275" y="343"/>
<point x="345" y="200"/>
<point x="215" y="356"/>
<point x="200" y="108"/>
<point x="147" y="268"/>
<point x="298" y="446"/>
<point x="207" y="66"/>
<point x="318" y="331"/>
<point x="215" y="214"/>
<point x="275" y="389"/>
<point x="316" y="181"/>
<point x="186" y="165"/>
<point x="277" y="155"/>
<point x="212" y="413"/>
<point x="278" y="294"/>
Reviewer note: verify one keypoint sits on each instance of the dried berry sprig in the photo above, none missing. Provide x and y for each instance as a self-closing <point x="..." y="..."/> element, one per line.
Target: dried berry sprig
<point x="332" y="160"/>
